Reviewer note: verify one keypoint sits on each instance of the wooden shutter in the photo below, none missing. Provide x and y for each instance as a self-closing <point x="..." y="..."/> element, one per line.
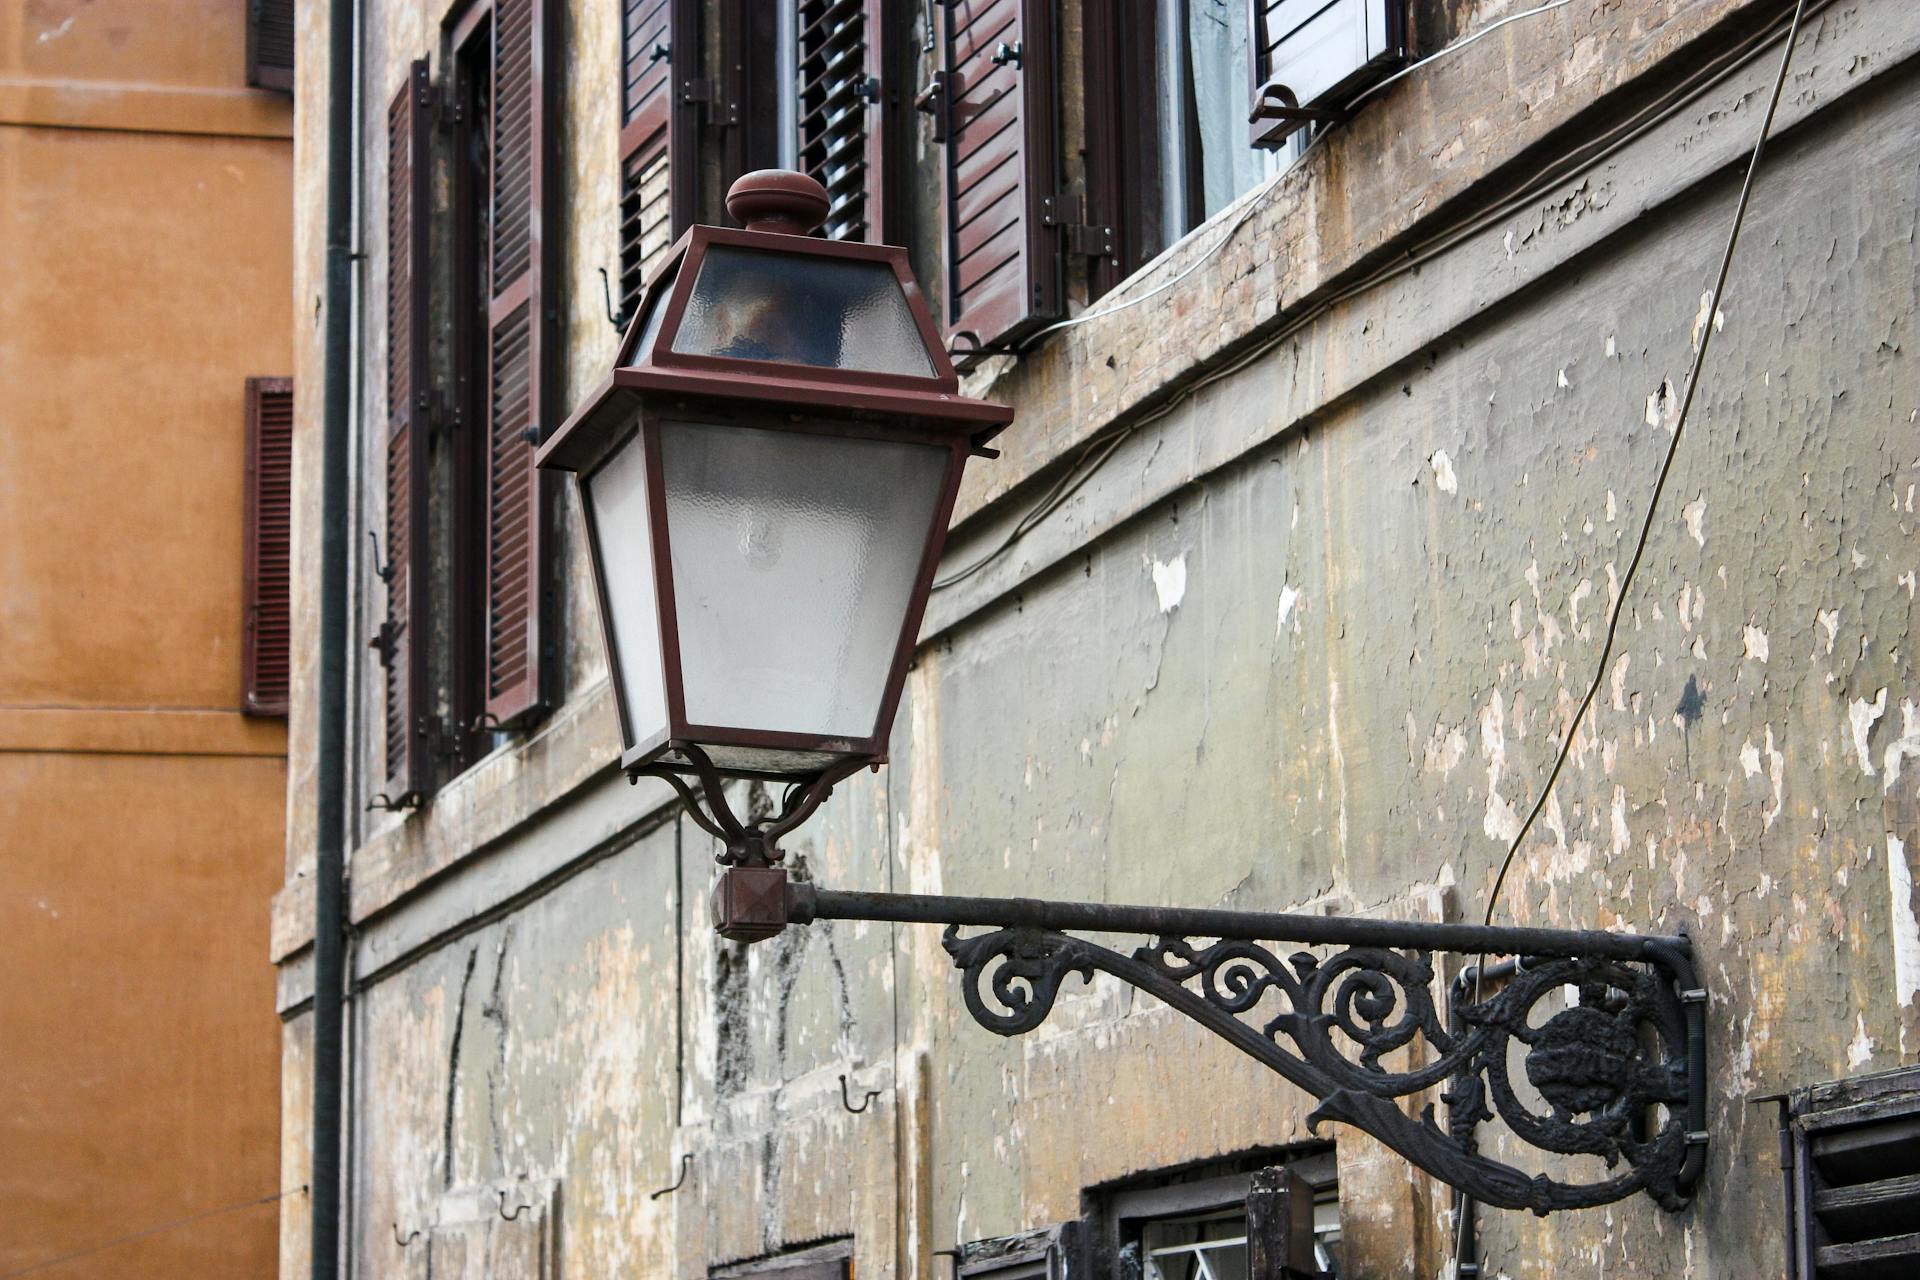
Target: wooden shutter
<point x="842" y="74"/>
<point x="656" y="138"/>
<point x="996" y="111"/>
<point x="270" y="44"/>
<point x="1310" y="57"/>
<point x="1855" y="1155"/>
<point x="519" y="353"/>
<point x="1052" y="1253"/>
<point x="266" y="628"/>
<point x="402" y="640"/>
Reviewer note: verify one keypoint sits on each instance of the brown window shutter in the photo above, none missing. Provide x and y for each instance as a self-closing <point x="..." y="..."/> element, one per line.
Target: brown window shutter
<point x="402" y="639"/>
<point x="1310" y="59"/>
<point x="656" y="137"/>
<point x="843" y="68"/>
<point x="266" y="629"/>
<point x="270" y="44"/>
<point x="996" y="110"/>
<point x="519" y="351"/>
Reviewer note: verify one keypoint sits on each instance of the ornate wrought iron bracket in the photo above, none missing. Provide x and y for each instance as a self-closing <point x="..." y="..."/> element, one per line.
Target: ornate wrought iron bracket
<point x="1611" y="1081"/>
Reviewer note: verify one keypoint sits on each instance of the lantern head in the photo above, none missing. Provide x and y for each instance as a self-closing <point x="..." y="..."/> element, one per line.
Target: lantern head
<point x="767" y="478"/>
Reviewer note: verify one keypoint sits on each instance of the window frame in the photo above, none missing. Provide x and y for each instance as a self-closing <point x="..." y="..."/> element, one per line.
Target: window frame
<point x="1124" y="1210"/>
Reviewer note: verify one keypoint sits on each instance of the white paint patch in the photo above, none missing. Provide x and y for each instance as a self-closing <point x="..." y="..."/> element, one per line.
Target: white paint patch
<point x="1906" y="930"/>
<point x="54" y="33"/>
<point x="1622" y="840"/>
<point x="1695" y="514"/>
<point x="1860" y="1052"/>
<point x="1443" y="475"/>
<point x="1700" y="320"/>
<point x="1564" y="384"/>
<point x="1861" y="717"/>
<point x="1908" y="744"/>
<point x="1612" y="348"/>
<point x="1501" y="822"/>
<point x="1756" y="643"/>
<point x="1777" y="778"/>
<point x="1288" y="598"/>
<point x="1829" y="620"/>
<point x="1750" y="759"/>
<point x="1170" y="582"/>
<point x="1663" y="410"/>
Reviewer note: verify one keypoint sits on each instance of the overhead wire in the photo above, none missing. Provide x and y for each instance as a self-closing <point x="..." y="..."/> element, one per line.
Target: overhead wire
<point x="129" y="1238"/>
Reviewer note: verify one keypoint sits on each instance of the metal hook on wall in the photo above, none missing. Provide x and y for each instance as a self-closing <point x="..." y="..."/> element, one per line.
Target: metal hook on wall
<point x="847" y="1101"/>
<point x="618" y="319"/>
<point x="686" y="1162"/>
<point x="411" y="1236"/>
<point x="518" y="1209"/>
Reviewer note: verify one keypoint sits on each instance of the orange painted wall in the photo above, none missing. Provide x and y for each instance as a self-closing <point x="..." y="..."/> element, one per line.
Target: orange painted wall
<point x="145" y="273"/>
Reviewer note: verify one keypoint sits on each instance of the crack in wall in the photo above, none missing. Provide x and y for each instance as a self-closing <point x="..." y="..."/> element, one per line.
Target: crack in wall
<point x="453" y="1073"/>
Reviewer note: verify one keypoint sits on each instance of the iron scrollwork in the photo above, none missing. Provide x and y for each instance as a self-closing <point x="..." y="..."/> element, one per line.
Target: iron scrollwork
<point x="1612" y="1075"/>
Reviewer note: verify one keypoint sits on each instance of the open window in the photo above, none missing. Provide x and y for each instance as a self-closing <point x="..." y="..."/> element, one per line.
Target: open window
<point x="1311" y="57"/>
<point x="1224" y="1220"/>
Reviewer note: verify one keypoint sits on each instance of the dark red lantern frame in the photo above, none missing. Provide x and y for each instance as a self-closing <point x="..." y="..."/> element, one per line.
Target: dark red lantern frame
<point x="653" y="383"/>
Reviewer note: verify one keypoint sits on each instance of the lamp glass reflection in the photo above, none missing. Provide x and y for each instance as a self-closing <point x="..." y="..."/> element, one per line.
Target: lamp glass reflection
<point x="794" y="557"/>
<point x="618" y="507"/>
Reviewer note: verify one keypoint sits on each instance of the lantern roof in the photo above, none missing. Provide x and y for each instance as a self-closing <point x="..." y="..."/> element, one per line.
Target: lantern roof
<point x="773" y="315"/>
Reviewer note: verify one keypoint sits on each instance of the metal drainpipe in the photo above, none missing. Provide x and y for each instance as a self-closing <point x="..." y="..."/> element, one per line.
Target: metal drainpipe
<point x="329" y="914"/>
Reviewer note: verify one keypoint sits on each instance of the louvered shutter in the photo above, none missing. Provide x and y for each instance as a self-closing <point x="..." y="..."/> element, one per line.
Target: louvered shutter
<point x="265" y="630"/>
<point x="996" y="111"/>
<point x="841" y="74"/>
<point x="655" y="137"/>
<point x="402" y="640"/>
<point x="1310" y="57"/>
<point x="518" y="351"/>
<point x="1855" y="1152"/>
<point x="270" y="44"/>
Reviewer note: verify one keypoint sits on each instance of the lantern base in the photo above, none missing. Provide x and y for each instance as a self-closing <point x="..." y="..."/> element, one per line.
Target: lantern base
<point x="748" y="844"/>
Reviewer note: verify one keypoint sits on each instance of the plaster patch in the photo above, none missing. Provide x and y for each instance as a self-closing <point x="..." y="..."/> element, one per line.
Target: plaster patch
<point x="1908" y="744"/>
<point x="1829" y="620"/>
<point x="1750" y="758"/>
<point x="1289" y="597"/>
<point x="1622" y="838"/>
<point x="1861" y="717"/>
<point x="1906" y="930"/>
<point x="1700" y="319"/>
<point x="1860" y="1052"/>
<point x="1443" y="475"/>
<point x="1170" y="582"/>
<point x="1564" y="384"/>
<point x="1695" y="514"/>
<point x="1756" y="643"/>
<point x="1662" y="409"/>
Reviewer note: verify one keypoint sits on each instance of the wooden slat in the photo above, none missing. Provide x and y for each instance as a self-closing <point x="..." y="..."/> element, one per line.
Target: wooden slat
<point x="1888" y="1258"/>
<point x="1868" y="1208"/>
<point x="839" y="58"/>
<point x="1004" y="261"/>
<point x="401" y="643"/>
<point x="267" y="630"/>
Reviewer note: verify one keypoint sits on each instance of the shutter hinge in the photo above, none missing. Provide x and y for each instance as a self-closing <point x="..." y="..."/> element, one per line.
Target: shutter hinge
<point x="932" y="100"/>
<point x="722" y="103"/>
<point x="1081" y="238"/>
<point x="448" y="111"/>
<point x="384" y="641"/>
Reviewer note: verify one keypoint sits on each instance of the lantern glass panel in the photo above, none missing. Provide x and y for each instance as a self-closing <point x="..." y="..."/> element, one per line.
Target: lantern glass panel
<point x="794" y="560"/>
<point x="656" y="311"/>
<point x="839" y="313"/>
<point x="617" y="507"/>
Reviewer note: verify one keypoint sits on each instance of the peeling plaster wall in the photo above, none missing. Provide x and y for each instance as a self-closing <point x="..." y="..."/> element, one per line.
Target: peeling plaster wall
<point x="1306" y="643"/>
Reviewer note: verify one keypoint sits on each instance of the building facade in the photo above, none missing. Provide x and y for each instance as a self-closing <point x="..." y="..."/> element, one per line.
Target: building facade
<point x="145" y="342"/>
<point x="1329" y="460"/>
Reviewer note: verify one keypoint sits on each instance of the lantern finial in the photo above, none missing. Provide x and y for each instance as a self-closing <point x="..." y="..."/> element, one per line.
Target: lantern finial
<point x="777" y="200"/>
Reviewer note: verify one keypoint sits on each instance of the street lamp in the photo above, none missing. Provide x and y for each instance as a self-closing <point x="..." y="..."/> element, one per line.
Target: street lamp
<point x="767" y="477"/>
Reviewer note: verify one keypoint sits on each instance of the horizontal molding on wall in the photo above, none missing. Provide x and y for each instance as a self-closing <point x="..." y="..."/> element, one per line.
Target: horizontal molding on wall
<point x="138" y="731"/>
<point x="145" y="108"/>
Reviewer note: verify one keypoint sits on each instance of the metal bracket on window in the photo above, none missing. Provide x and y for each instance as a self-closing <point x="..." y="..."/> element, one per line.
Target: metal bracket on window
<point x="1005" y="54"/>
<point x="932" y="101"/>
<point x="1080" y="237"/>
<point x="659" y="53"/>
<point x="381" y="570"/>
<point x="385" y="638"/>
<point x="1274" y="101"/>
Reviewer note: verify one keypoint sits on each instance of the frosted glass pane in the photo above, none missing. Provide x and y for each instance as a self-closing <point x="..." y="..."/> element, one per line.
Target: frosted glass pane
<point x="841" y="313"/>
<point x="617" y="505"/>
<point x="650" y="326"/>
<point x="794" y="558"/>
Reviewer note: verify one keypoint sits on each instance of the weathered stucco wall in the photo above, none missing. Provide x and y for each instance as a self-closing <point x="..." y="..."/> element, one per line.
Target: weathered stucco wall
<point x="145" y="198"/>
<point x="1305" y="641"/>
